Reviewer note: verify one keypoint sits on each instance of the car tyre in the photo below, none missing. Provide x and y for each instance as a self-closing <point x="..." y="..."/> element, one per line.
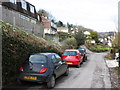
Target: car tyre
<point x="51" y="82"/>
<point x="86" y="58"/>
<point x="78" y="66"/>
<point x="67" y="72"/>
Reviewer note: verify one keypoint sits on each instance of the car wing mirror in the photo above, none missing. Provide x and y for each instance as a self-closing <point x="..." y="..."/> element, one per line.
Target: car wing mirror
<point x="60" y="62"/>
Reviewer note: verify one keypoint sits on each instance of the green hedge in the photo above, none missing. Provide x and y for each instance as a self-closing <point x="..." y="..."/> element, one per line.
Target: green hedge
<point x="63" y="36"/>
<point x="17" y="45"/>
<point x="97" y="48"/>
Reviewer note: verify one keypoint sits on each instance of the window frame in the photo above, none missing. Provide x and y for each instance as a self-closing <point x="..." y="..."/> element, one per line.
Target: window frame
<point x="32" y="8"/>
<point x="13" y="1"/>
<point x="24" y="4"/>
<point x="55" y="60"/>
<point x="70" y="52"/>
<point x="58" y="58"/>
<point x="41" y="60"/>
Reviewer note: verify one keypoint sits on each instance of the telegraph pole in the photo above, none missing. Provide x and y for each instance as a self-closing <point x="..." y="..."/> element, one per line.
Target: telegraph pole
<point x="119" y="31"/>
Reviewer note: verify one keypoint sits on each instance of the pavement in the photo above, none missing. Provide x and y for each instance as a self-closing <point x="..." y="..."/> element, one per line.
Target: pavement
<point x="112" y="63"/>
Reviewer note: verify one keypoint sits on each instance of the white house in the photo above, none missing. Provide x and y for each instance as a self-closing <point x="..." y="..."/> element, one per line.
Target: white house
<point x="62" y="29"/>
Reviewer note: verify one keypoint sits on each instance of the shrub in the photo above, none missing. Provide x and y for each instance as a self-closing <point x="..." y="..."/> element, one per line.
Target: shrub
<point x="63" y="36"/>
<point x="17" y="45"/>
<point x="70" y="43"/>
<point x="80" y="38"/>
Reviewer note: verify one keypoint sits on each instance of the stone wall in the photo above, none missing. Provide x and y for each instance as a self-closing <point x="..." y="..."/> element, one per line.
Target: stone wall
<point x="52" y="37"/>
<point x="22" y="21"/>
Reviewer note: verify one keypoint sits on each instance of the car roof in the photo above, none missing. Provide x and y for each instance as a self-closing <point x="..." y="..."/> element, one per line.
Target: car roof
<point x="81" y="47"/>
<point x="46" y="54"/>
<point x="71" y="50"/>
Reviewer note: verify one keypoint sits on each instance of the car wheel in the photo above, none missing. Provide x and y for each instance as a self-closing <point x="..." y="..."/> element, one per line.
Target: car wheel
<point x="67" y="72"/>
<point x="51" y="82"/>
<point x="78" y="66"/>
<point x="86" y="58"/>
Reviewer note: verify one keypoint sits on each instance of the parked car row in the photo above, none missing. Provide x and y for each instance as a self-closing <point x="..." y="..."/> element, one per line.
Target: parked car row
<point x="46" y="67"/>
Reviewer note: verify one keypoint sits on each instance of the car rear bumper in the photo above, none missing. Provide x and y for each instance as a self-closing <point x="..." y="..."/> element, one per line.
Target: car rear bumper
<point x="33" y="77"/>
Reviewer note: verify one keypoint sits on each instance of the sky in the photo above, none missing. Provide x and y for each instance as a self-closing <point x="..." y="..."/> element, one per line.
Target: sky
<point x="98" y="15"/>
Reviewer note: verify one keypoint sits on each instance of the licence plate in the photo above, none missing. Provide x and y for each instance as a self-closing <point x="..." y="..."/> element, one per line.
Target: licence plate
<point x="69" y="63"/>
<point x="30" y="77"/>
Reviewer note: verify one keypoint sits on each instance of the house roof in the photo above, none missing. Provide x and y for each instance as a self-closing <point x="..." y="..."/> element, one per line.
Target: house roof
<point x="46" y="22"/>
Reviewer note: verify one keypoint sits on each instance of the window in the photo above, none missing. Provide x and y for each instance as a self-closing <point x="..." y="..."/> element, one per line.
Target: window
<point x="71" y="53"/>
<point x="27" y="18"/>
<point x="53" y="59"/>
<point x="24" y="17"/>
<point x="33" y="21"/>
<point x="81" y="51"/>
<point x="13" y="1"/>
<point x="38" y="59"/>
<point x="31" y="9"/>
<point x="58" y="57"/>
<point x="24" y="5"/>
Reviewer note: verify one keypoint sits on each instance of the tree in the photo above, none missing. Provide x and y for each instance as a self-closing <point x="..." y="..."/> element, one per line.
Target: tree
<point x="80" y="38"/>
<point x="70" y="43"/>
<point x="69" y="27"/>
<point x="60" y="24"/>
<point x="46" y="14"/>
<point x="63" y="36"/>
<point x="94" y="36"/>
<point x="43" y="13"/>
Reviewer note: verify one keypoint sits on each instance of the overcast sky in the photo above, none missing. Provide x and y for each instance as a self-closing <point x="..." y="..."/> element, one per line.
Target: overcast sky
<point x="99" y="15"/>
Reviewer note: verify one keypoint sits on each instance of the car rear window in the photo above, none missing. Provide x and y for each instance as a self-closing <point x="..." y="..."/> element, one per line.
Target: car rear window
<point x="81" y="51"/>
<point x="38" y="59"/>
<point x="70" y="53"/>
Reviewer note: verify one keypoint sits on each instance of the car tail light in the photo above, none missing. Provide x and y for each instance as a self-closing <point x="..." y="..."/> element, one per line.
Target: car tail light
<point x="43" y="70"/>
<point x="21" y="68"/>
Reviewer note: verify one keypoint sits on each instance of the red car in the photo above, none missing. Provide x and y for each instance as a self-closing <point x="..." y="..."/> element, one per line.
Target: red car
<point x="73" y="57"/>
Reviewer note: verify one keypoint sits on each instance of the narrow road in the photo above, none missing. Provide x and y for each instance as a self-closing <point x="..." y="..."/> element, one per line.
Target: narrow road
<point x="92" y="74"/>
